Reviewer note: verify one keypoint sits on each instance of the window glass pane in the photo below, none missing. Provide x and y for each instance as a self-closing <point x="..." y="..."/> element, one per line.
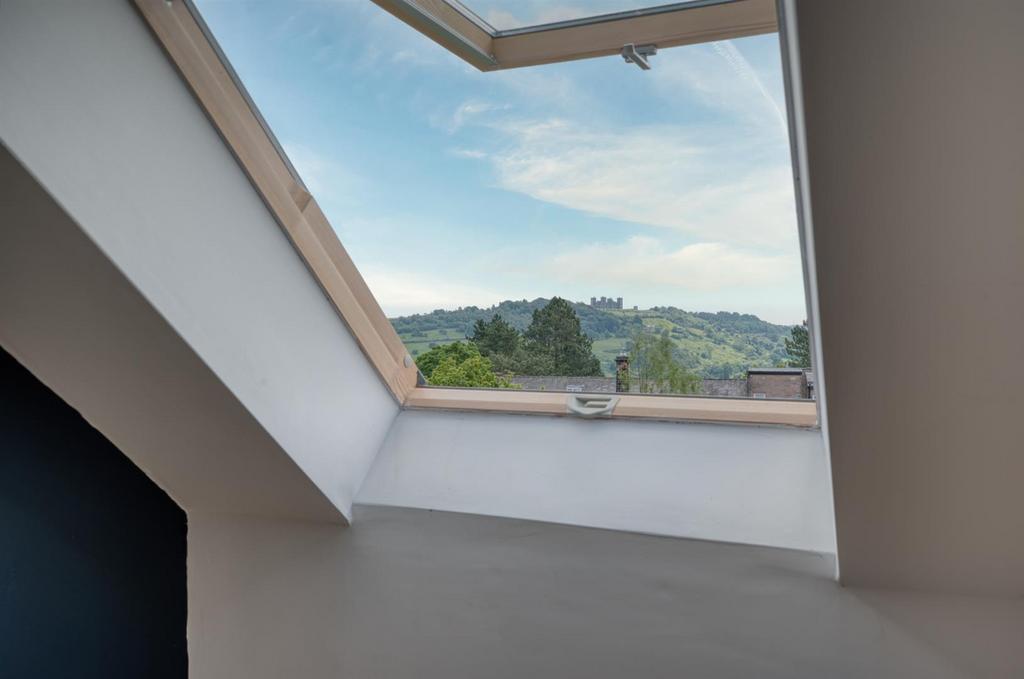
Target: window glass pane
<point x="505" y="15"/>
<point x="657" y="205"/>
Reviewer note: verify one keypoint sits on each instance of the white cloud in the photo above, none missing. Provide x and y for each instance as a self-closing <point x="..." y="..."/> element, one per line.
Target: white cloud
<point x="697" y="277"/>
<point x="704" y="182"/>
<point x="467" y="111"/>
<point x="402" y="292"/>
<point x="472" y="154"/>
<point x="726" y="178"/>
<point x="700" y="267"/>
<point x="412" y="56"/>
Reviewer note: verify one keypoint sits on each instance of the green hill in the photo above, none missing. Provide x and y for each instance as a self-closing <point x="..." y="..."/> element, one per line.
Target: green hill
<point x="722" y="344"/>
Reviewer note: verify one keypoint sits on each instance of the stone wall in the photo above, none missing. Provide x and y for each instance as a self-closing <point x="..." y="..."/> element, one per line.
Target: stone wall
<point x="775" y="385"/>
<point x="715" y="387"/>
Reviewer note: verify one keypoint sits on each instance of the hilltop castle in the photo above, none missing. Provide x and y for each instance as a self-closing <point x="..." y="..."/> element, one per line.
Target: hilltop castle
<point x="606" y="303"/>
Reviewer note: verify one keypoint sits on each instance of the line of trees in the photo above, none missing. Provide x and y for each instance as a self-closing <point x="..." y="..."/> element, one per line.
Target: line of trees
<point x="553" y="344"/>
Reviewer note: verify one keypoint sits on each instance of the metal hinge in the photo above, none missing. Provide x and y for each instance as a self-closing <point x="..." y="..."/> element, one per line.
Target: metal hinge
<point x="638" y="54"/>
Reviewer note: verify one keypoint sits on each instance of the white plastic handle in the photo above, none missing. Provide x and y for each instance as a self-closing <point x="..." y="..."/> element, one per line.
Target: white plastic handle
<point x="591" y="405"/>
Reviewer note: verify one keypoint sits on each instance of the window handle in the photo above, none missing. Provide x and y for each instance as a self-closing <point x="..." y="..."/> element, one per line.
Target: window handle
<point x="591" y="406"/>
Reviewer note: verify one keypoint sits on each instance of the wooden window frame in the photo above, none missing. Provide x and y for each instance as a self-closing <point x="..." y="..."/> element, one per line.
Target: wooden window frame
<point x="187" y="42"/>
<point x="681" y="23"/>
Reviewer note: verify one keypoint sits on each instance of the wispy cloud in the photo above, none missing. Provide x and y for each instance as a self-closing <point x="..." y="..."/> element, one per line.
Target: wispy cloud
<point x="703" y="182"/>
<point x="747" y="74"/>
<point x="468" y="111"/>
<point x="722" y="79"/>
<point x="720" y="174"/>
<point x="700" y="267"/>
<point x="552" y="90"/>
<point x="472" y="154"/>
<point x="336" y="35"/>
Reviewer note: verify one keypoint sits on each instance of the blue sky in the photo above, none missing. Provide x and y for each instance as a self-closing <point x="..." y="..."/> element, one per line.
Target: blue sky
<point x="451" y="187"/>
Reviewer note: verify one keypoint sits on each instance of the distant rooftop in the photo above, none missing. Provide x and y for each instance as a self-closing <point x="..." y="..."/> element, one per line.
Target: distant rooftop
<point x="777" y="371"/>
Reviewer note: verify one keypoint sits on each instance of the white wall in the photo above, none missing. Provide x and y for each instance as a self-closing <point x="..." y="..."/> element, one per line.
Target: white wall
<point x="756" y="485"/>
<point x="916" y="158"/>
<point x="417" y="594"/>
<point x="69" y="316"/>
<point x="96" y="112"/>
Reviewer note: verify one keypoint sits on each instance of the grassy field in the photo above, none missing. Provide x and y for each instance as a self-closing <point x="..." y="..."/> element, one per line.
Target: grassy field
<point x="420" y="342"/>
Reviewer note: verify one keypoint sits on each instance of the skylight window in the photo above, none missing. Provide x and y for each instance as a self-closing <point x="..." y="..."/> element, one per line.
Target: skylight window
<point x="580" y="227"/>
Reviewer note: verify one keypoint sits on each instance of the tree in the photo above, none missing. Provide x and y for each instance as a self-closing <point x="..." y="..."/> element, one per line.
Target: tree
<point x="523" y="361"/>
<point x="475" y="371"/>
<point x="654" y="369"/>
<point x="495" y="337"/>
<point x="428" y="361"/>
<point x="460" y="364"/>
<point x="798" y="347"/>
<point x="554" y="334"/>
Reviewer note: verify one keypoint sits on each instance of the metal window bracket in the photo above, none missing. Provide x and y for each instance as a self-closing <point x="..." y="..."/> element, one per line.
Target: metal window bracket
<point x="591" y="405"/>
<point x="638" y="54"/>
